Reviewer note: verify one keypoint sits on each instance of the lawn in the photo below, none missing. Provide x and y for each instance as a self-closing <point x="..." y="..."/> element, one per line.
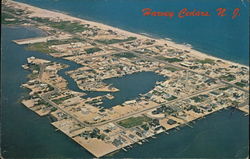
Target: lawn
<point x="92" y="50"/>
<point x="224" y="88"/>
<point x="172" y="69"/>
<point x="170" y="60"/>
<point x="172" y="98"/>
<point x="113" y="41"/>
<point x="134" y="121"/>
<point x="126" y="55"/>
<point x="197" y="99"/>
<point x="206" y="61"/>
<point x="240" y="84"/>
<point x="44" y="46"/>
<point x="60" y="100"/>
<point x="40" y="47"/>
<point x="66" y="26"/>
<point x="228" y="78"/>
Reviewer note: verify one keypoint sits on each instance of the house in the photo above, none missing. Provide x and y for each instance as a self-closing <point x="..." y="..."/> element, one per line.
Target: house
<point x="171" y="122"/>
<point x="117" y="142"/>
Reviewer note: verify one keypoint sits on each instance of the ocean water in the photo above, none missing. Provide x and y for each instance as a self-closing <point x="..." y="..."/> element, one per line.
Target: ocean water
<point x="26" y="135"/>
<point x="223" y="37"/>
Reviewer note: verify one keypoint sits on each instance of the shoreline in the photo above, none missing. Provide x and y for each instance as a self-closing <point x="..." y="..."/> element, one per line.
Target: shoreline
<point x="66" y="16"/>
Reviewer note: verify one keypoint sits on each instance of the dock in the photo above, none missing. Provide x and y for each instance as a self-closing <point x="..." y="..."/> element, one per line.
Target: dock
<point x="166" y="132"/>
<point x="124" y="149"/>
<point x="188" y="125"/>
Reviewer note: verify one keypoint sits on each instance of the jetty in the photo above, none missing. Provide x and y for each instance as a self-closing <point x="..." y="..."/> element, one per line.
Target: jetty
<point x="39" y="39"/>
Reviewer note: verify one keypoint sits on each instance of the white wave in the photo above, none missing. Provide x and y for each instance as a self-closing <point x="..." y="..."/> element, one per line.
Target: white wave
<point x="188" y="45"/>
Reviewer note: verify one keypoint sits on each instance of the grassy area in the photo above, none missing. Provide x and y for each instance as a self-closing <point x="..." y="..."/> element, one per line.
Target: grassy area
<point x="32" y="76"/>
<point x="172" y="98"/>
<point x="126" y="55"/>
<point x="60" y="100"/>
<point x="92" y="50"/>
<point x="9" y="19"/>
<point x="65" y="41"/>
<point x="7" y="16"/>
<point x="66" y="26"/>
<point x="224" y="88"/>
<point x="206" y="61"/>
<point x="40" y="47"/>
<point x="197" y="99"/>
<point x="14" y="11"/>
<point x="228" y="78"/>
<point x="53" y="109"/>
<point x="34" y="67"/>
<point x="9" y="13"/>
<point x="42" y="102"/>
<point x="113" y="41"/>
<point x="44" y="46"/>
<point x="194" y="108"/>
<point x="171" y="60"/>
<point x="240" y="84"/>
<point x="214" y="93"/>
<point x="134" y="121"/>
<point x="172" y="69"/>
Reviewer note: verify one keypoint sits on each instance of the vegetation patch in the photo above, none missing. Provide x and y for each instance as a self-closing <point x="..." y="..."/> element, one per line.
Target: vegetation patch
<point x="172" y="69"/>
<point x="240" y="84"/>
<point x="66" y="26"/>
<point x="92" y="50"/>
<point x="113" y="41"/>
<point x="170" y="60"/>
<point x="193" y="108"/>
<point x="134" y="121"/>
<point x="14" y="11"/>
<point x="172" y="98"/>
<point x="228" y="78"/>
<point x="53" y="109"/>
<point x="44" y="46"/>
<point x="197" y="99"/>
<point x="43" y="102"/>
<point x="224" y="88"/>
<point x="65" y="41"/>
<point x="9" y="19"/>
<point x="60" y="100"/>
<point x="126" y="55"/>
<point x="206" y="61"/>
<point x="40" y="47"/>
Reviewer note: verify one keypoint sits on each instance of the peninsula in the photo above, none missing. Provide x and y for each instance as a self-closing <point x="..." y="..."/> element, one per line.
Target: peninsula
<point x="196" y="84"/>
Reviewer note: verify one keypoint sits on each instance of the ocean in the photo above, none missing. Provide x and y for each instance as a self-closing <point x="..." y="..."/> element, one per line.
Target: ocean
<point x="221" y="135"/>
